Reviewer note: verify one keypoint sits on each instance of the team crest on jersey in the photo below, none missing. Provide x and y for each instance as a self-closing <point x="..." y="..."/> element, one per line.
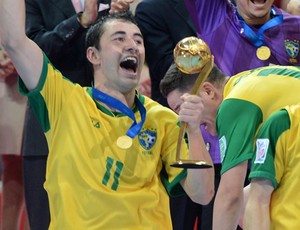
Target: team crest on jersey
<point x="261" y="150"/>
<point x="147" y="138"/>
<point x="223" y="146"/>
<point x="292" y="48"/>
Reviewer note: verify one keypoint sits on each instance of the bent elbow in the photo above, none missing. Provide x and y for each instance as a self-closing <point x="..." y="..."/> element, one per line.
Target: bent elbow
<point x="204" y="198"/>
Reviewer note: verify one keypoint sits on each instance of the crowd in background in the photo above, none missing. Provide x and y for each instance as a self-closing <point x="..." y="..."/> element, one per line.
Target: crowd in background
<point x="61" y="35"/>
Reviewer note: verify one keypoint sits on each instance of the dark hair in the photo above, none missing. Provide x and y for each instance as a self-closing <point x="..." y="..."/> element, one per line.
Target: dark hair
<point x="96" y="31"/>
<point x="175" y="79"/>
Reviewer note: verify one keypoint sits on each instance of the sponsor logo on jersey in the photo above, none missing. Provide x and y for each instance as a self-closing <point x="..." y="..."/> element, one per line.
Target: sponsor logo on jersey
<point x="261" y="150"/>
<point x="95" y="123"/>
<point x="223" y="146"/>
<point x="292" y="49"/>
<point x="147" y="138"/>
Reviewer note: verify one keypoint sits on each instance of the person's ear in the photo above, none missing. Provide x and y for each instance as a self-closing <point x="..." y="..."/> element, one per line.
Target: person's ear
<point x="209" y="89"/>
<point x="93" y="55"/>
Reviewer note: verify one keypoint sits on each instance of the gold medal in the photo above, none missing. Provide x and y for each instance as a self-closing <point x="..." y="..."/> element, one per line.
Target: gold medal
<point x="124" y="142"/>
<point x="263" y="53"/>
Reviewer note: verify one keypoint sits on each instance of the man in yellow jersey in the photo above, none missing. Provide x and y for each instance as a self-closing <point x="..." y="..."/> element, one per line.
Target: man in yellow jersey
<point x="110" y="148"/>
<point x="274" y="198"/>
<point x="239" y="105"/>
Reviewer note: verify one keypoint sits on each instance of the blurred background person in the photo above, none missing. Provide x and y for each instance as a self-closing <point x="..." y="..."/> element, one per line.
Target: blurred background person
<point x="163" y="24"/>
<point x="247" y="35"/>
<point x="12" y="116"/>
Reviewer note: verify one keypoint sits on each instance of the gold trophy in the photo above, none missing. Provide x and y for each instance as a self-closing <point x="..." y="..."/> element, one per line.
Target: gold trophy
<point x="192" y="55"/>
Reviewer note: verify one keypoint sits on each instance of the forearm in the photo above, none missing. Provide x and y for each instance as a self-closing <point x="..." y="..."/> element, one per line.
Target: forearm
<point x="120" y="5"/>
<point x="256" y="216"/>
<point x="25" y="55"/>
<point x="199" y="183"/>
<point x="230" y="197"/>
<point x="12" y="26"/>
<point x="226" y="212"/>
<point x="257" y="211"/>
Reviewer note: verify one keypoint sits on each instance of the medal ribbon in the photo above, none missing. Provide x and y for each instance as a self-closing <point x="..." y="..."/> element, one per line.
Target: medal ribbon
<point x="135" y="128"/>
<point x="258" y="38"/>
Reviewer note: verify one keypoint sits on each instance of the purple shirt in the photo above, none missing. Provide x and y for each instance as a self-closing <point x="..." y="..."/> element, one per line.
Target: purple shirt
<point x="218" y="25"/>
<point x="212" y="145"/>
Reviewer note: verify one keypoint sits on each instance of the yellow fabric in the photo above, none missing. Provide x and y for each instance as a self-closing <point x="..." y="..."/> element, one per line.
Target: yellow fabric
<point x="250" y="98"/>
<point x="285" y="202"/>
<point x="92" y="183"/>
<point x="270" y="92"/>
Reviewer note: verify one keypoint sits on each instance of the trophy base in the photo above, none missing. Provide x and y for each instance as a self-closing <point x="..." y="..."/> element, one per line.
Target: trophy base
<point x="193" y="164"/>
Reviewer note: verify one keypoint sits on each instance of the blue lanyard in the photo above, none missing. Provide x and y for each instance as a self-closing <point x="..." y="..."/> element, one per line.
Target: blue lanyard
<point x="115" y="103"/>
<point x="258" y="38"/>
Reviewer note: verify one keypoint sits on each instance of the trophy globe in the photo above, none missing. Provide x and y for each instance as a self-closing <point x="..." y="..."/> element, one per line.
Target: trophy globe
<point x="191" y="54"/>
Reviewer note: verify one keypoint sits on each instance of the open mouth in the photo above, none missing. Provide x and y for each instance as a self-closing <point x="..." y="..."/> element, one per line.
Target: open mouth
<point x="130" y="64"/>
<point x="258" y="1"/>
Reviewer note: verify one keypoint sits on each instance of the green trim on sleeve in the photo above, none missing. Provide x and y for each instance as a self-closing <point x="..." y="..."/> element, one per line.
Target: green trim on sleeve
<point x="237" y="124"/>
<point x="272" y="129"/>
<point x="23" y="89"/>
<point x="35" y="98"/>
<point x="174" y="188"/>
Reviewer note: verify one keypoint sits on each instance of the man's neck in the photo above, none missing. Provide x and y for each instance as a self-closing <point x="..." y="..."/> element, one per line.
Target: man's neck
<point x="126" y="98"/>
<point x="258" y="21"/>
<point x="255" y="21"/>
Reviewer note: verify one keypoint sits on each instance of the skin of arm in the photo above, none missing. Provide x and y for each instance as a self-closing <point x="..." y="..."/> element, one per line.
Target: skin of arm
<point x="90" y="13"/>
<point x="229" y="199"/>
<point x="24" y="53"/>
<point x="120" y="5"/>
<point x="257" y="213"/>
<point x="199" y="183"/>
<point x="246" y="196"/>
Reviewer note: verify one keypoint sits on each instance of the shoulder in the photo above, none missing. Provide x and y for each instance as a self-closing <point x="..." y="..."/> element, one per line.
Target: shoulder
<point x="157" y="110"/>
<point x="276" y="124"/>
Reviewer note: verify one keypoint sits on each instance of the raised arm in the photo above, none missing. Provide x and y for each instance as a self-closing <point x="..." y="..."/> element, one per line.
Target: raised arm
<point x="58" y="33"/>
<point x="199" y="183"/>
<point x="24" y="53"/>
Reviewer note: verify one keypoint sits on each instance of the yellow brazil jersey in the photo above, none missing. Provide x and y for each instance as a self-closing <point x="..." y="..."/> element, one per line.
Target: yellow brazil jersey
<point x="91" y="182"/>
<point x="277" y="158"/>
<point x="249" y="99"/>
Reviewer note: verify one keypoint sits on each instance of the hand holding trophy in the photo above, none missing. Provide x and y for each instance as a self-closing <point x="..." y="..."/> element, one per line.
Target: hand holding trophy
<point x="192" y="55"/>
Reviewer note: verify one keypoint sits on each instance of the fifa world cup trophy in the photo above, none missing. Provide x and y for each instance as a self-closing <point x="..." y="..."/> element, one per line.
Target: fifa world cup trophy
<point x="192" y="55"/>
